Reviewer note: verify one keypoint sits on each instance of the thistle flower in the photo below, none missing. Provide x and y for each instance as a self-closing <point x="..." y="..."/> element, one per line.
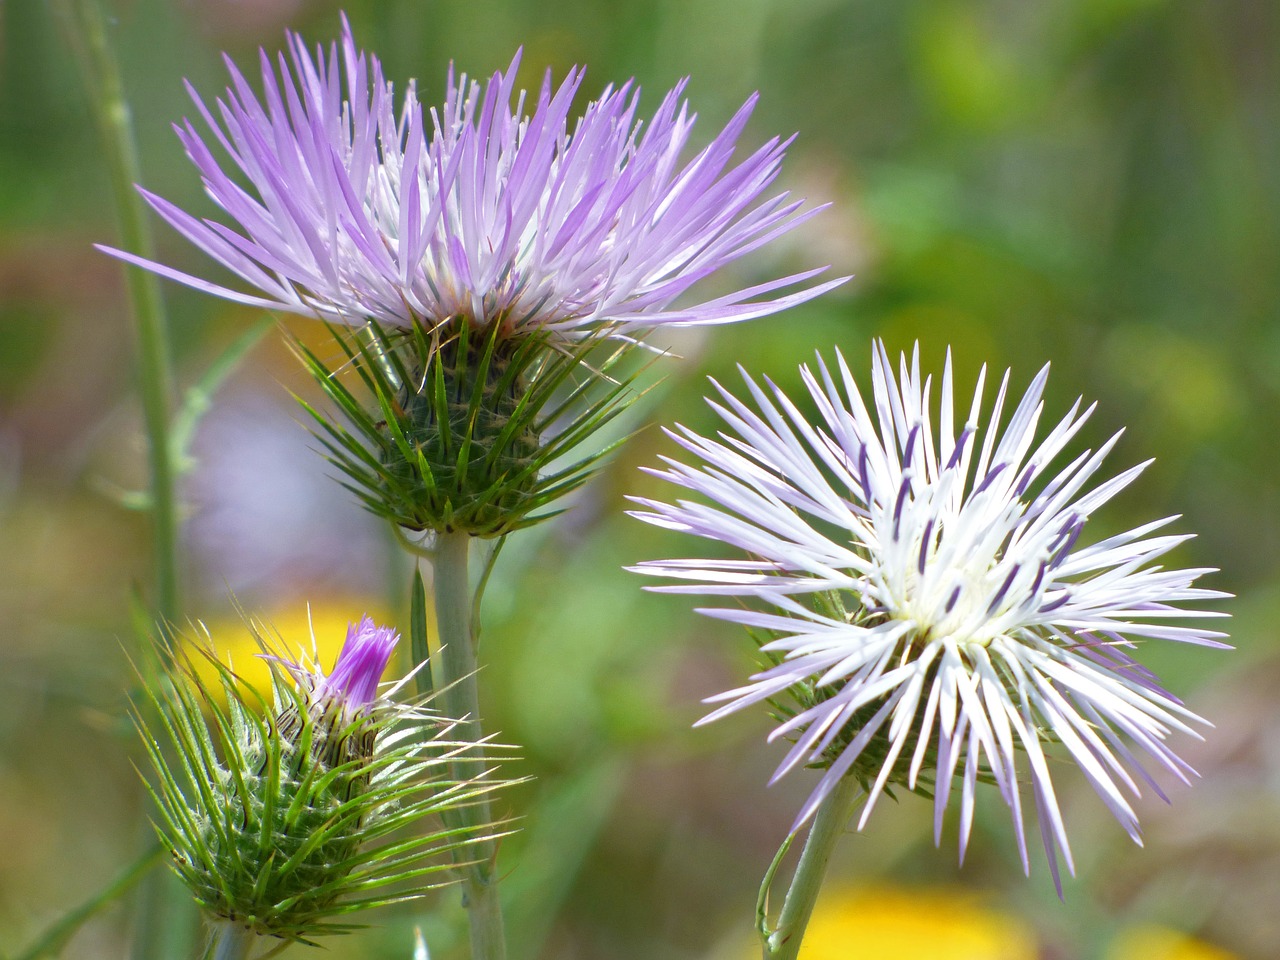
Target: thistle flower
<point x="481" y="260"/>
<point x="285" y="815"/>
<point x="354" y="210"/>
<point x="925" y="607"/>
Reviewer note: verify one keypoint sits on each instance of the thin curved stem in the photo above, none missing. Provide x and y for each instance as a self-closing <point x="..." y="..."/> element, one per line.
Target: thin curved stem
<point x="56" y="936"/>
<point x="784" y="940"/>
<point x="164" y="919"/>
<point x="455" y="601"/>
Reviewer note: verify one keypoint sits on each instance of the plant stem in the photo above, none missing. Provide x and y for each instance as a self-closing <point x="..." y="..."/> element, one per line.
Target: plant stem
<point x="165" y="919"/>
<point x="783" y="942"/>
<point x="459" y="700"/>
<point x="231" y="941"/>
<point x="155" y="379"/>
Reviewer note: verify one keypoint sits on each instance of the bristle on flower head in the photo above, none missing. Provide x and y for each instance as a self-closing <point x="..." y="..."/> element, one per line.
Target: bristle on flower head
<point x="926" y="604"/>
<point x="337" y="704"/>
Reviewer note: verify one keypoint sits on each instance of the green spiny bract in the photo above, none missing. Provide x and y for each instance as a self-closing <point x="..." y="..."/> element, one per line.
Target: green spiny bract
<point x="464" y="424"/>
<point x="285" y="816"/>
<point x="461" y="414"/>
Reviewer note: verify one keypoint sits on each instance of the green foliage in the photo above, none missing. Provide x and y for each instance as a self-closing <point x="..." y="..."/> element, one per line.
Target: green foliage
<point x="284" y="815"/>
<point x="463" y="426"/>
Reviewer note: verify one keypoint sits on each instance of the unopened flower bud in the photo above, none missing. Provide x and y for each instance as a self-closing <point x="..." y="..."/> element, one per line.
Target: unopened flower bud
<point x="268" y="807"/>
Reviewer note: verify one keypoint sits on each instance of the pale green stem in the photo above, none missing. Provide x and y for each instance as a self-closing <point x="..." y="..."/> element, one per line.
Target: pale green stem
<point x="459" y="700"/>
<point x="155" y="379"/>
<point x="231" y="942"/>
<point x="783" y="942"/>
<point x="164" y="920"/>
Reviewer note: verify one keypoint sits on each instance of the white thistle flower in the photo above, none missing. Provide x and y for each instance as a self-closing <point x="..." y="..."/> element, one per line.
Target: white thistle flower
<point x="926" y="603"/>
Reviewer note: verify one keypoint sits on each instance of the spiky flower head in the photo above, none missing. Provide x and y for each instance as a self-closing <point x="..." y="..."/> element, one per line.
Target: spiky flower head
<point x="279" y="812"/>
<point x="351" y="686"/>
<point x="346" y="208"/>
<point x="482" y="252"/>
<point x="925" y="606"/>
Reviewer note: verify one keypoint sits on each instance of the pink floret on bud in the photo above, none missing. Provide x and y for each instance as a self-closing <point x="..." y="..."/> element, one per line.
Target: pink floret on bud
<point x="359" y="667"/>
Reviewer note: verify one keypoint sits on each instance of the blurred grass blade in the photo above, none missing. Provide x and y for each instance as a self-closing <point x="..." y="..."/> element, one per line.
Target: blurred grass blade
<point x="165" y="919"/>
<point x="56" y="937"/>
<point x="418" y="634"/>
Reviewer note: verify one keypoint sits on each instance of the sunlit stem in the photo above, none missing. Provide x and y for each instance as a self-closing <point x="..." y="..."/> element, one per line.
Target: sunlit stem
<point x="164" y="918"/>
<point x="783" y="941"/>
<point x="87" y="32"/>
<point x="459" y="699"/>
<point x="231" y="942"/>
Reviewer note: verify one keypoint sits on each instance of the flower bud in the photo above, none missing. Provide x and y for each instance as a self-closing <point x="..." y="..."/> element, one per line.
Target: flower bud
<point x="269" y="808"/>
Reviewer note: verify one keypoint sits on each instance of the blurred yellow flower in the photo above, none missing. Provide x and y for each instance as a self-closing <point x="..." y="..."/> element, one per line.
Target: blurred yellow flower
<point x="234" y="643"/>
<point x="1151" y="942"/>
<point x="941" y="923"/>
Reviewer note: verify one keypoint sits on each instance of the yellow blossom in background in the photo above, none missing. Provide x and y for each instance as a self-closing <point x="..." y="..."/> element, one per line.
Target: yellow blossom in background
<point x="328" y="619"/>
<point x="941" y="923"/>
<point x="1151" y="942"/>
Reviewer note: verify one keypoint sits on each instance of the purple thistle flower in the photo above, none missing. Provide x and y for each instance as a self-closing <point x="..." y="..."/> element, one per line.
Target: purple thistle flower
<point x="925" y="599"/>
<point x="356" y="211"/>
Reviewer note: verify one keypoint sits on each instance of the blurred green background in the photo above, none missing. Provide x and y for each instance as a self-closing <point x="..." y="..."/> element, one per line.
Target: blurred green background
<point x="1094" y="183"/>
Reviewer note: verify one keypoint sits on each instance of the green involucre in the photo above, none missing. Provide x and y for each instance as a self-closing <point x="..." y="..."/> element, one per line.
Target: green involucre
<point x="282" y="816"/>
<point x="463" y="425"/>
